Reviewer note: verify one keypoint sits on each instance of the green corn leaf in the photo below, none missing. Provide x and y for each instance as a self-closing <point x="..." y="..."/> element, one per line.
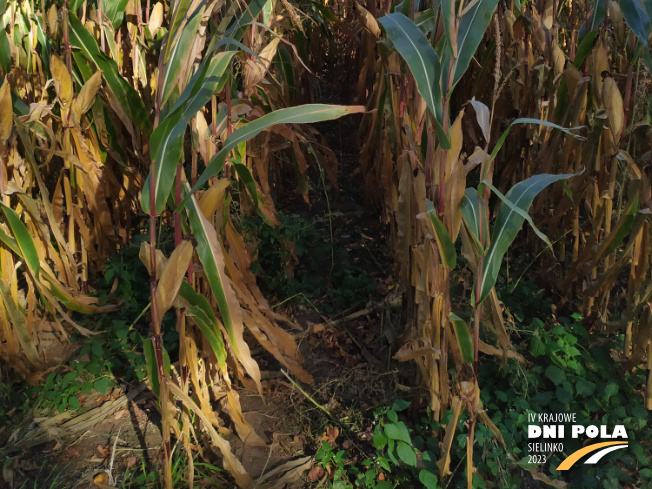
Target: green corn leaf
<point x="202" y="313"/>
<point x="286" y="69"/>
<point x="471" y="212"/>
<point x="528" y="120"/>
<point x="10" y="243"/>
<point x="423" y="62"/>
<point x="63" y="295"/>
<point x="463" y="336"/>
<point x="178" y="53"/>
<point x="449" y="17"/>
<point x="507" y="225"/>
<point x="595" y="19"/>
<point x="128" y="97"/>
<point x="178" y="15"/>
<point x="152" y="366"/>
<point x="210" y="254"/>
<point x="5" y="52"/>
<point x="248" y="180"/>
<point x="293" y="115"/>
<point x="23" y="239"/>
<point x="585" y="48"/>
<point x="444" y="242"/>
<point x="211" y="332"/>
<point x="114" y="11"/>
<point x="472" y="27"/>
<point x="637" y="18"/>
<point x="247" y="13"/>
<point x="166" y="142"/>
<point x="520" y="212"/>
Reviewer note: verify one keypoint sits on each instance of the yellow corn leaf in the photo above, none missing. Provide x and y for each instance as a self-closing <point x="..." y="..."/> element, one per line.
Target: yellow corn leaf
<point x="144" y="256"/>
<point x="210" y="200"/>
<point x="244" y="429"/>
<point x="558" y="58"/>
<point x="232" y="464"/>
<point x="443" y="464"/>
<point x="492" y="350"/>
<point x="613" y="102"/>
<point x="62" y="80"/>
<point x="19" y="323"/>
<point x="6" y="113"/>
<point x="172" y="276"/>
<point x="572" y="76"/>
<point x="484" y="417"/>
<point x="256" y="68"/>
<point x="421" y="347"/>
<point x="52" y="23"/>
<point x="86" y="97"/>
<point x="155" y="19"/>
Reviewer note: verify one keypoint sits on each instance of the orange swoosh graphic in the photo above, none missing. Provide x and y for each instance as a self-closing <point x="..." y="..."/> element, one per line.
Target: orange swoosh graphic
<point x="575" y="456"/>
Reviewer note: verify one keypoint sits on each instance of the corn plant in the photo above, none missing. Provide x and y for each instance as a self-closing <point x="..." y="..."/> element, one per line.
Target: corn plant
<point x="420" y="162"/>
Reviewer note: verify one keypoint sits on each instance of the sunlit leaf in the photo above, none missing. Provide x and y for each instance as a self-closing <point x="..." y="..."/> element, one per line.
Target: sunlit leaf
<point x="23" y="239"/>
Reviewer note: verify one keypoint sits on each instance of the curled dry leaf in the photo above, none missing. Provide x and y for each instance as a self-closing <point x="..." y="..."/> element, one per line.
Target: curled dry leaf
<point x="62" y="80"/>
<point x="315" y="474"/>
<point x="256" y="68"/>
<point x="172" y="276"/>
<point x="86" y="97"/>
<point x="420" y="347"/>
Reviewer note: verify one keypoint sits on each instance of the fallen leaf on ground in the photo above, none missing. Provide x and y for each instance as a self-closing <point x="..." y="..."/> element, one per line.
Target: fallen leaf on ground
<point x="331" y="434"/>
<point x="103" y="451"/>
<point x="315" y="474"/>
<point x="101" y="479"/>
<point x="132" y="461"/>
<point x="71" y="452"/>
